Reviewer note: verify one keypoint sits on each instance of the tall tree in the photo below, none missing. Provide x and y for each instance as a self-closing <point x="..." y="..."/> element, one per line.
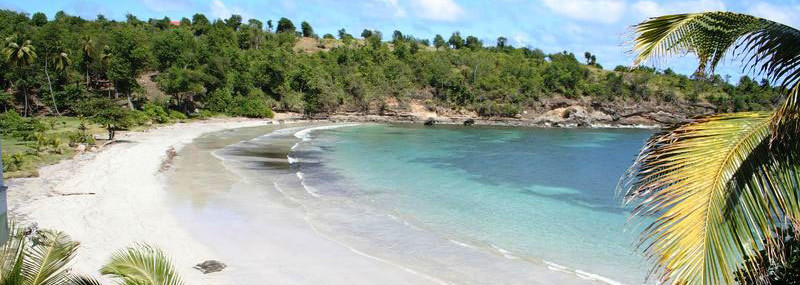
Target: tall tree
<point x="456" y="41"/>
<point x="308" y="31"/>
<point x="721" y="187"/>
<point x="200" y="24"/>
<point x="473" y="43"/>
<point x="234" y="22"/>
<point x="20" y="54"/>
<point x="87" y="56"/>
<point x="438" y="41"/>
<point x="285" y="25"/>
<point x="501" y="42"/>
<point x="129" y="60"/>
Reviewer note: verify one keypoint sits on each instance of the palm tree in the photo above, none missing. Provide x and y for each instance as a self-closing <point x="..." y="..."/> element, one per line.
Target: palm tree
<point x="20" y="55"/>
<point x="42" y="257"/>
<point x="722" y="186"/>
<point x="61" y="61"/>
<point x="87" y="49"/>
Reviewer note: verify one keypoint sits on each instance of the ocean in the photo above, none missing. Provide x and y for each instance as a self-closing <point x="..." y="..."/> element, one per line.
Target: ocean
<point x="456" y="205"/>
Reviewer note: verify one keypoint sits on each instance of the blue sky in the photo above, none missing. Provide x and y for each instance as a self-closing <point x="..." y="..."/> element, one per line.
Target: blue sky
<point x="600" y="27"/>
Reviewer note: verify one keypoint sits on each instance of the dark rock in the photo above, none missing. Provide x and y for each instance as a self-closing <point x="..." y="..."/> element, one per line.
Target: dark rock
<point x="210" y="266"/>
<point x="430" y="122"/>
<point x="469" y="122"/>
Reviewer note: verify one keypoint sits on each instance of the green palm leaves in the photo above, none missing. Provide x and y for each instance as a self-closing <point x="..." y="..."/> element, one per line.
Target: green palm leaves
<point x="142" y="264"/>
<point x="43" y="259"/>
<point x="19" y="53"/>
<point x="721" y="186"/>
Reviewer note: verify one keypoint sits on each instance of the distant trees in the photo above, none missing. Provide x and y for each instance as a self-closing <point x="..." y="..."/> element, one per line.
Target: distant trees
<point x="438" y="42"/>
<point x="590" y="58"/>
<point x="285" y="25"/>
<point x="455" y="41"/>
<point x="308" y="31"/>
<point x="20" y="54"/>
<point x="473" y="43"/>
<point x="129" y="58"/>
<point x="501" y="42"/>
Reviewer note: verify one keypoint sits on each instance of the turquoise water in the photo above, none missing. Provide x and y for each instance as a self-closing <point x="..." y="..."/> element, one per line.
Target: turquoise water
<point x="543" y="196"/>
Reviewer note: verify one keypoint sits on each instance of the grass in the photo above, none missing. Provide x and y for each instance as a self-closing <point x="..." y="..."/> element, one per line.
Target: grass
<point x="58" y="127"/>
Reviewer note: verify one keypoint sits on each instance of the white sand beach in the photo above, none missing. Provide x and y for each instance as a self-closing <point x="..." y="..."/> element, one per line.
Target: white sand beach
<point x="115" y="198"/>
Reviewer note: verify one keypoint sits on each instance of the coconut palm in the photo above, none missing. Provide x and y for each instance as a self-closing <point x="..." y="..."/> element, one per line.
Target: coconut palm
<point x="87" y="55"/>
<point x="20" y="55"/>
<point x="60" y="61"/>
<point x="42" y="258"/>
<point x="722" y="186"/>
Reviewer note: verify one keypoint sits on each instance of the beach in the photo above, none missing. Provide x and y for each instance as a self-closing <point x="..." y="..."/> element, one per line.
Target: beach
<point x="205" y="209"/>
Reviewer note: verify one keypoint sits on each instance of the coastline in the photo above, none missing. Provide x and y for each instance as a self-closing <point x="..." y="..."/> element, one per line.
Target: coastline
<point x="114" y="198"/>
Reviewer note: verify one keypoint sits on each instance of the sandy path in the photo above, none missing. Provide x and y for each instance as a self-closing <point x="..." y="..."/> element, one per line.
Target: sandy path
<point x="128" y="205"/>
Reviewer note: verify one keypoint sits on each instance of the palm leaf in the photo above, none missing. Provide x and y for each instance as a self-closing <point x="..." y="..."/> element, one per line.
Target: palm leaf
<point x="142" y="265"/>
<point x="47" y="259"/>
<point x="11" y="258"/>
<point x="83" y="280"/>
<point x="768" y="48"/>
<point x="717" y="189"/>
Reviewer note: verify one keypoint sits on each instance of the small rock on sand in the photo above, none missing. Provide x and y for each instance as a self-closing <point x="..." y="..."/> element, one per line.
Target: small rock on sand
<point x="210" y="266"/>
<point x="430" y="122"/>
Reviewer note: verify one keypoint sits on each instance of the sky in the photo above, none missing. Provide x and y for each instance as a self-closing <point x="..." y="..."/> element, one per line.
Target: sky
<point x="601" y="27"/>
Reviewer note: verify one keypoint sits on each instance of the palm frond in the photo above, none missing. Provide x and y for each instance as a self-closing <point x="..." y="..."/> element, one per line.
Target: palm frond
<point x="717" y="190"/>
<point x="83" y="280"/>
<point x="765" y="47"/>
<point x="11" y="257"/>
<point x="47" y="259"/>
<point x="142" y="265"/>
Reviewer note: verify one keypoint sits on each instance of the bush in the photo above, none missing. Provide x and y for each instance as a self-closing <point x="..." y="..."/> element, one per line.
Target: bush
<point x="175" y="115"/>
<point x="251" y="107"/>
<point x="139" y="118"/>
<point x="203" y="115"/>
<point x="13" y="162"/>
<point x="9" y="122"/>
<point x="79" y="137"/>
<point x="493" y="109"/>
<point x="156" y="113"/>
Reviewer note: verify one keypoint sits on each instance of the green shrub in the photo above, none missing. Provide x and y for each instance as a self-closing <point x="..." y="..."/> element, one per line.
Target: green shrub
<point x="251" y="107"/>
<point x="156" y="113"/>
<point x="139" y="118"/>
<point x="9" y="122"/>
<point x="13" y="162"/>
<point x="175" y="115"/>
<point x="79" y="137"/>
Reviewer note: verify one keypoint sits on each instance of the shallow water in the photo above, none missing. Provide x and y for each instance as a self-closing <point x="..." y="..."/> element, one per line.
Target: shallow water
<point x="450" y="204"/>
<point x="543" y="195"/>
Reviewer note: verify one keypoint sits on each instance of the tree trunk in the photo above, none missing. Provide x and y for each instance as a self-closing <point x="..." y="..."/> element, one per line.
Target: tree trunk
<point x="25" y="94"/>
<point x="88" y="79"/>
<point x="130" y="103"/>
<point x="3" y="206"/>
<point x="50" y="84"/>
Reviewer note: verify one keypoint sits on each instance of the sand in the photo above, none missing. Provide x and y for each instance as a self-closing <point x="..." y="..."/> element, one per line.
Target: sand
<point x="114" y="198"/>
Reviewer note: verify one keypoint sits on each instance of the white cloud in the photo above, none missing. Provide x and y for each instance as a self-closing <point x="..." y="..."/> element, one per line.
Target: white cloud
<point x="649" y="8"/>
<point x="781" y="14"/>
<point x="437" y="10"/>
<point x="603" y="11"/>
<point x="394" y="5"/>
<point x="221" y="11"/>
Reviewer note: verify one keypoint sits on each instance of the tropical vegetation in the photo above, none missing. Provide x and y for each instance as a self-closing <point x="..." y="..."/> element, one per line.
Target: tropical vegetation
<point x="39" y="257"/>
<point x="723" y="189"/>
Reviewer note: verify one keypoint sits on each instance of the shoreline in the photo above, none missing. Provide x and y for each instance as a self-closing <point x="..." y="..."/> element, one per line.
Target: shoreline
<point x="116" y="197"/>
